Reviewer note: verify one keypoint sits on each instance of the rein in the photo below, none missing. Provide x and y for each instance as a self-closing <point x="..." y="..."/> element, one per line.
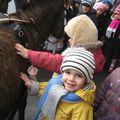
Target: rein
<point x="5" y="18"/>
<point x="25" y="30"/>
<point x="9" y="19"/>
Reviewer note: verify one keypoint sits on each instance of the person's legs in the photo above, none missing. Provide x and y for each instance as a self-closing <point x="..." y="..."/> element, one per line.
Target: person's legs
<point x="112" y="65"/>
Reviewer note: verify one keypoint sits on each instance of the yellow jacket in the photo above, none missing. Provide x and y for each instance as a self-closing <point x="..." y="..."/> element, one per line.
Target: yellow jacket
<point x="74" y="111"/>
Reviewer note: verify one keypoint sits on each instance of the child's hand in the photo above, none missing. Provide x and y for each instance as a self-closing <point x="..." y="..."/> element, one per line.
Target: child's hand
<point x="25" y="78"/>
<point x="21" y="50"/>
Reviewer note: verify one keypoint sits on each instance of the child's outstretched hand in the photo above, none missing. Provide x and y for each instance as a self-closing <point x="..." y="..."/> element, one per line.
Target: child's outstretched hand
<point x="21" y="50"/>
<point x="25" y="78"/>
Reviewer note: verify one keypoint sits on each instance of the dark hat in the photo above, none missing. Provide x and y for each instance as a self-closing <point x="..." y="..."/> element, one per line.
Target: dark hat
<point x="108" y="2"/>
<point x="87" y="3"/>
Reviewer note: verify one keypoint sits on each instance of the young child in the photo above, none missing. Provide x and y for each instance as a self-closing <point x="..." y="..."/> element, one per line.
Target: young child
<point x="69" y="96"/>
<point x="107" y="100"/>
<point x="86" y="7"/>
<point x="99" y="7"/>
<point x="85" y="36"/>
<point x="111" y="48"/>
<point x="104" y="18"/>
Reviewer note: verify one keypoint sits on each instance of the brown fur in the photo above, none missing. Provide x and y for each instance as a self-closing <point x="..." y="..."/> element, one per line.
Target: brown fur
<point x="48" y="18"/>
<point x="9" y="73"/>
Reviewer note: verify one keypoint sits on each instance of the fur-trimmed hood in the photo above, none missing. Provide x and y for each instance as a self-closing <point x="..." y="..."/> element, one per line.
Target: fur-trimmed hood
<point x="91" y="45"/>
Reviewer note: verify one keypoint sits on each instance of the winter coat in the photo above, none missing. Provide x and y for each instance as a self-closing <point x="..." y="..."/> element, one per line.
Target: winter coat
<point x="111" y="47"/>
<point x="52" y="62"/>
<point x="45" y="60"/>
<point x="102" y="21"/>
<point x="92" y="15"/>
<point x="82" y="110"/>
<point x="107" y="100"/>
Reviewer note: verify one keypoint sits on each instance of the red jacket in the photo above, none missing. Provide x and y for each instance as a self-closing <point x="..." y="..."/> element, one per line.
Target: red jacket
<point x="52" y="62"/>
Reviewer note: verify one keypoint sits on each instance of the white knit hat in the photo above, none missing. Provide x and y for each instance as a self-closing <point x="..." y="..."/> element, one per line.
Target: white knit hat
<point x="82" y="30"/>
<point x="80" y="60"/>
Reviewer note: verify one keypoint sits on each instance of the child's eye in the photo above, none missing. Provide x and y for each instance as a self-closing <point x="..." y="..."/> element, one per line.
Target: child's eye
<point x="67" y="72"/>
<point x="79" y="76"/>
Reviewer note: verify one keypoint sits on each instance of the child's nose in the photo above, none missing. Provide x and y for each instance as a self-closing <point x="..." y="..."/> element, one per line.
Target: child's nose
<point x="71" y="78"/>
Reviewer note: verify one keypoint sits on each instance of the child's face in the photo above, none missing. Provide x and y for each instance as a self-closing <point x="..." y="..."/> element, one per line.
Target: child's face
<point x="117" y="16"/>
<point x="99" y="11"/>
<point x="106" y="6"/>
<point x="85" y="9"/>
<point x="72" y="80"/>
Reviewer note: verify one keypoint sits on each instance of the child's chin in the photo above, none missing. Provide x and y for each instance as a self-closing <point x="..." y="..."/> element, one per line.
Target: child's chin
<point x="70" y="90"/>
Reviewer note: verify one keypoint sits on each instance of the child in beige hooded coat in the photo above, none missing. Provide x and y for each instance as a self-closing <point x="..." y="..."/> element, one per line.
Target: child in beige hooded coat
<point x="82" y="33"/>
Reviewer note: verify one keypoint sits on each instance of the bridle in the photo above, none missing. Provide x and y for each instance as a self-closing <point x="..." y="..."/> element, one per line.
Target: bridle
<point x="40" y="36"/>
<point x="10" y="19"/>
<point x="22" y="29"/>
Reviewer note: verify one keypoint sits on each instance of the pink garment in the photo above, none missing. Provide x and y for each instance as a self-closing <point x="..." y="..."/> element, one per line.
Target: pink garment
<point x="52" y="62"/>
<point x="114" y="24"/>
<point x="99" y="59"/>
<point x="112" y="28"/>
<point x="117" y="9"/>
<point x="99" y="5"/>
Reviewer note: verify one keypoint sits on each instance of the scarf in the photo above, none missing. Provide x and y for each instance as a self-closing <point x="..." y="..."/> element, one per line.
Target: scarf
<point x="54" y="92"/>
<point x="110" y="32"/>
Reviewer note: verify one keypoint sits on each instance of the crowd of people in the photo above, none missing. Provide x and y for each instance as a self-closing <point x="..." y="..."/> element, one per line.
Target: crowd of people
<point x="106" y="15"/>
<point x="92" y="29"/>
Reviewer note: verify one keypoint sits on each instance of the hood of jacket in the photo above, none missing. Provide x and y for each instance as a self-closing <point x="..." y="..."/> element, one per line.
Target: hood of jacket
<point x="88" y="95"/>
